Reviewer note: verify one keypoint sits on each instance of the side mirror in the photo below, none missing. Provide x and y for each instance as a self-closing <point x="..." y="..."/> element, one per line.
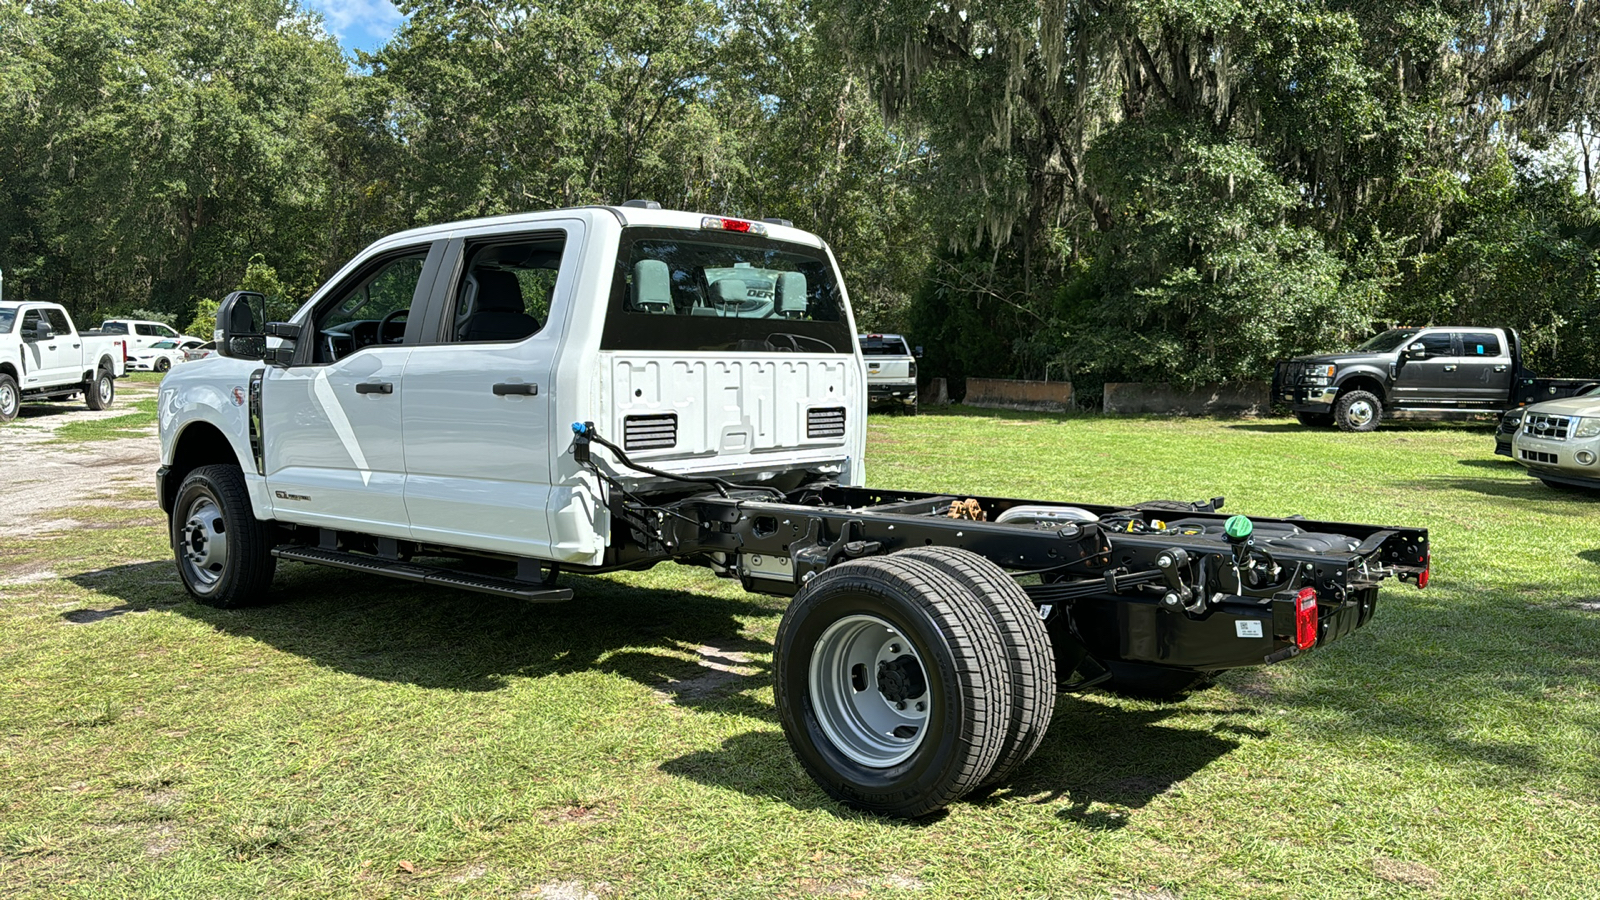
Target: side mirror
<point x="238" y="334"/>
<point x="45" y="332"/>
<point x="1416" y="351"/>
<point x="917" y="351"/>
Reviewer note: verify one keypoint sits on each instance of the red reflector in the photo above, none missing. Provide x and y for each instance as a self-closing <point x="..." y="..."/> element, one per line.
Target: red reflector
<point x="1305" y="618"/>
<point x="1427" y="571"/>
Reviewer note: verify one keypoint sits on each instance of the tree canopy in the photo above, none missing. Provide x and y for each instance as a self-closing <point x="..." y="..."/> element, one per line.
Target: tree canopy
<point x="1176" y="190"/>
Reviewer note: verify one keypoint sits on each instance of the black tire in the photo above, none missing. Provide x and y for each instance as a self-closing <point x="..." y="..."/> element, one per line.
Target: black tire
<point x="101" y="392"/>
<point x="833" y="713"/>
<point x="1148" y="682"/>
<point x="1030" y="658"/>
<point x="1358" y="411"/>
<point x="1314" y="420"/>
<point x="162" y="364"/>
<point x="911" y="408"/>
<point x="10" y="398"/>
<point x="212" y="511"/>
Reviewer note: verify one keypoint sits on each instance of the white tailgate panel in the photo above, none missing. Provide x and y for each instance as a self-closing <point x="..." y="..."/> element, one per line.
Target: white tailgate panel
<point x="728" y="408"/>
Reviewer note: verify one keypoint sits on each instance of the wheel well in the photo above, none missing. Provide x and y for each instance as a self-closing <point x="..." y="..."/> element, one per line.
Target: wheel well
<point x="1363" y="383"/>
<point x="7" y="369"/>
<point x="200" y="444"/>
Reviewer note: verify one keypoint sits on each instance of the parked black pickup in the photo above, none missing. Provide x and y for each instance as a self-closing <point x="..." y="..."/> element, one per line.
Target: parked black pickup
<point x="1437" y="370"/>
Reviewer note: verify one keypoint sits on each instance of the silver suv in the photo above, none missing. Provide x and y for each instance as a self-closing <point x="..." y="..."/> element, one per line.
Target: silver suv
<point x="1559" y="441"/>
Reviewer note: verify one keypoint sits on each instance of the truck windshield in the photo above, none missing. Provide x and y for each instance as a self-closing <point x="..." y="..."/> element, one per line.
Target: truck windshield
<point x="681" y="290"/>
<point x="1389" y="340"/>
<point x="7" y="317"/>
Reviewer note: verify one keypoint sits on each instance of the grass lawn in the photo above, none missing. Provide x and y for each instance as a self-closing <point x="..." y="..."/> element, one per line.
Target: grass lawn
<point x="373" y="739"/>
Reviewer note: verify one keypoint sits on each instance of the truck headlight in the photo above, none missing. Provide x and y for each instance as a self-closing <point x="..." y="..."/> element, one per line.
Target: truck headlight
<point x="1586" y="427"/>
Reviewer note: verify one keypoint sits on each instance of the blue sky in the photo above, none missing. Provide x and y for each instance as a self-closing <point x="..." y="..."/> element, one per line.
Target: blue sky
<point x="358" y="24"/>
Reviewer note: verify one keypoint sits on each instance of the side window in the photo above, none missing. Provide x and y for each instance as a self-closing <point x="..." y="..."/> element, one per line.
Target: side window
<point x="1438" y="343"/>
<point x="31" y="320"/>
<point x="147" y="330"/>
<point x="166" y="331"/>
<point x="59" y="321"/>
<point x="505" y="290"/>
<point x="371" y="308"/>
<point x="1480" y="343"/>
<point x="114" y="327"/>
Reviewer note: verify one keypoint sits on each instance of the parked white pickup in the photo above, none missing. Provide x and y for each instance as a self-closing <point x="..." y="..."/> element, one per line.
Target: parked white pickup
<point x="44" y="357"/>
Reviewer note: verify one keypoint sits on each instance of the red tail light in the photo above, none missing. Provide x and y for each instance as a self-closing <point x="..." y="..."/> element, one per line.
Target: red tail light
<point x="718" y="223"/>
<point x="1305" y="618"/>
<point x="1427" y="572"/>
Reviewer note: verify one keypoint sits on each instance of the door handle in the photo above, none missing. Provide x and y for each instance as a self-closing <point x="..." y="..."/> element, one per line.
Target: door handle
<point x="375" y="387"/>
<point x="1449" y="368"/>
<point x="1499" y="368"/>
<point x="76" y="346"/>
<point x="525" y="390"/>
<point x="50" y="346"/>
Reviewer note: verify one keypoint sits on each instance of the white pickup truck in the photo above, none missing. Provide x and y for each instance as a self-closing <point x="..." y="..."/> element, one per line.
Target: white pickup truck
<point x="891" y="371"/>
<point x="44" y="357"/>
<point x="605" y="388"/>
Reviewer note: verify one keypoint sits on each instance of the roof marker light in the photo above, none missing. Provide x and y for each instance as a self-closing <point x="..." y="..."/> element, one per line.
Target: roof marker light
<point x="718" y="223"/>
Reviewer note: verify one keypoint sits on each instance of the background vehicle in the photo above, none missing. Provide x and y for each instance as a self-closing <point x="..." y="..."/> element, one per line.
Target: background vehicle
<point x="1441" y="371"/>
<point x="891" y="371"/>
<point x="162" y="355"/>
<point x="606" y="388"/>
<point x="43" y="357"/>
<point x="142" y="332"/>
<point x="1559" y="440"/>
<point x="209" y="348"/>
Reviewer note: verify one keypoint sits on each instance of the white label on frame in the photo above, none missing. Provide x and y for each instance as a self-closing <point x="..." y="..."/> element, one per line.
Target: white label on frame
<point x="1248" y="628"/>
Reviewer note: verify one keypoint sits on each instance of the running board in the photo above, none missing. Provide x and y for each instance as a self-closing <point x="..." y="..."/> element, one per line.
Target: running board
<point x="504" y="587"/>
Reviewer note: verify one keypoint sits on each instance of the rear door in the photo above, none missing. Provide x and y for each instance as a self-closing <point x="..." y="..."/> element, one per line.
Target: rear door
<point x="479" y="388"/>
<point x="1432" y="380"/>
<point x="1484" y="377"/>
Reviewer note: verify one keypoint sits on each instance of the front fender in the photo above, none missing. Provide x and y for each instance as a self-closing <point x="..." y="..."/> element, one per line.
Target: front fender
<point x="214" y="391"/>
<point x="1365" y="372"/>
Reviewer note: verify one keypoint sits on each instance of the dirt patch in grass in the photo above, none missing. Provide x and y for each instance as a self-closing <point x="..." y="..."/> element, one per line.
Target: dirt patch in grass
<point x="1401" y="871"/>
<point x="43" y="476"/>
<point x="727" y="667"/>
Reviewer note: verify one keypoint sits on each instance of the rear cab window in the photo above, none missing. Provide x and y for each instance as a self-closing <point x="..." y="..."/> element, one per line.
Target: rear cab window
<point x="878" y="345"/>
<point x="680" y="290"/>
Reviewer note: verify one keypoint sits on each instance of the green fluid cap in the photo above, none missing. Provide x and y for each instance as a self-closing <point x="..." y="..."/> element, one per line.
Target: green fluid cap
<point x="1238" y="527"/>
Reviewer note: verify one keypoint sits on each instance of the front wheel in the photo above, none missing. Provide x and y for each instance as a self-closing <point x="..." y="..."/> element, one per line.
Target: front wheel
<point x="10" y="397"/>
<point x="224" y="552"/>
<point x="891" y="686"/>
<point x="101" y="392"/>
<point x="1358" y="411"/>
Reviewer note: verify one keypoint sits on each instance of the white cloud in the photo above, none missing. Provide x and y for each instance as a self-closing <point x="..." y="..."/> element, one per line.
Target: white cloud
<point x="363" y="24"/>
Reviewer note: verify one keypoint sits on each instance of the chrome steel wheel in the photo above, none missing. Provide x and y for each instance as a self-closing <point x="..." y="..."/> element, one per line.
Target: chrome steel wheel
<point x="203" y="543"/>
<point x="105" y="388"/>
<point x="1360" y="413"/>
<point x="870" y="691"/>
<point x="10" y="400"/>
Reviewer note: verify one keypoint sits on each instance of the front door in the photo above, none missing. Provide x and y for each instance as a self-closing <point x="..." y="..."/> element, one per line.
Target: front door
<point x="41" y="350"/>
<point x="331" y="421"/>
<point x="477" y="404"/>
<point x="1429" y="381"/>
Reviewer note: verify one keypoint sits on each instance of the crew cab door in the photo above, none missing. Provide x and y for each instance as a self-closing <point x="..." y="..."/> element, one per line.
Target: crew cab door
<point x="42" y="349"/>
<point x="1432" y="380"/>
<point x="1483" y="380"/>
<point x="478" y="398"/>
<point x="331" y="421"/>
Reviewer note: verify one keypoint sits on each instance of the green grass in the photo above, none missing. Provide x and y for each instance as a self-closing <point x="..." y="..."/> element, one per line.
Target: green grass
<point x="371" y="739"/>
<point x="133" y="424"/>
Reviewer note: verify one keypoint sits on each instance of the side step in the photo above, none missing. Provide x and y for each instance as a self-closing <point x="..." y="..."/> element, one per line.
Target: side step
<point x="486" y="584"/>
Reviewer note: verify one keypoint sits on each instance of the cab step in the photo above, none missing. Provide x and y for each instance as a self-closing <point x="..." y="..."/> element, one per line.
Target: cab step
<point x="531" y="592"/>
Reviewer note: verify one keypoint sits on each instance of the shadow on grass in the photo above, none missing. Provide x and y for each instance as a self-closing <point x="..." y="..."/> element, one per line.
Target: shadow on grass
<point x="1391" y="425"/>
<point x="1497" y="463"/>
<point x="1529" y="489"/>
<point x="461" y="641"/>
<point x="1096" y="762"/>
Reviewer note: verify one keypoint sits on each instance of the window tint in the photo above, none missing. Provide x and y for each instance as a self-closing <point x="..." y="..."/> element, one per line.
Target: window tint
<point x="31" y="320"/>
<point x="884" y="346"/>
<point x="167" y="330"/>
<point x="683" y="290"/>
<point x="59" y="321"/>
<point x="355" y="315"/>
<point x="1437" y="343"/>
<point x="505" y="290"/>
<point x="147" y="330"/>
<point x="114" y="327"/>
<point x="8" y="317"/>
<point x="1480" y="343"/>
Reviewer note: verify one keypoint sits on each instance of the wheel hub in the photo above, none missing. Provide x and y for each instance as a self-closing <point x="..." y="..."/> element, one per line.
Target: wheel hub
<point x="869" y="691"/>
<point x="203" y="543"/>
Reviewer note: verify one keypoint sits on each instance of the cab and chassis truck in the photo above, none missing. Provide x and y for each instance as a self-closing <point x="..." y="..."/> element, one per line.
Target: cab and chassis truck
<point x="607" y="388"/>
